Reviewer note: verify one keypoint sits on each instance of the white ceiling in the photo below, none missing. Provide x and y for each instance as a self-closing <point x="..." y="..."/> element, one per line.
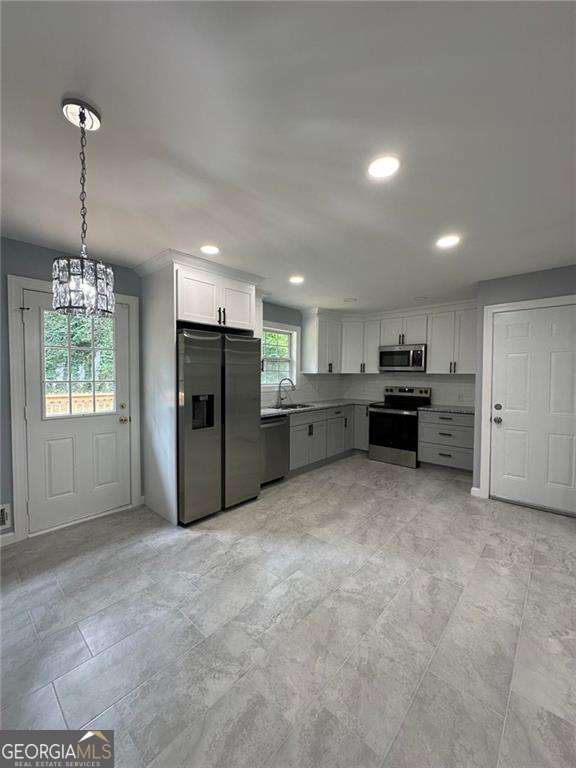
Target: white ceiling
<point x="251" y="125"/>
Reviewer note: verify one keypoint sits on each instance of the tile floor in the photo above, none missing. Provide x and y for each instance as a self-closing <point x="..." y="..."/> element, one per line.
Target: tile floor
<point x="358" y="615"/>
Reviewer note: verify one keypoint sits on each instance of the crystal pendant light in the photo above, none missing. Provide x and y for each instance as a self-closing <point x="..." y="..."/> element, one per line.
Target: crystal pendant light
<point x="82" y="286"/>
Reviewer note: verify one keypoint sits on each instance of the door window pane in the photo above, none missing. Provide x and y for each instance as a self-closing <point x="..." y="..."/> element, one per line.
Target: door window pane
<point x="104" y="332"/>
<point x="104" y="364"/>
<point x="79" y="365"/>
<point x="105" y="396"/>
<point x="80" y="332"/>
<point x="82" y="397"/>
<point x="55" y="329"/>
<point x="57" y="398"/>
<point x="56" y="364"/>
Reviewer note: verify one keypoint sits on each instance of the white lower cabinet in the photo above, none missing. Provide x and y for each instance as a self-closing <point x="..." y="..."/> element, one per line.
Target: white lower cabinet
<point x="317" y="442"/>
<point x="318" y="435"/>
<point x="307" y="444"/>
<point x="361" y="427"/>
<point x="335" y="436"/>
<point x="299" y="447"/>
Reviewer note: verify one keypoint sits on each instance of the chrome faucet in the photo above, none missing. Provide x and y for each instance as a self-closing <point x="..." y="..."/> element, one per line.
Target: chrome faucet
<point x="280" y="397"/>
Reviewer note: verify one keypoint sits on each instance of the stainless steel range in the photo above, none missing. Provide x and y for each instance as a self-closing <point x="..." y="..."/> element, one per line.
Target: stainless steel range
<point x="394" y="425"/>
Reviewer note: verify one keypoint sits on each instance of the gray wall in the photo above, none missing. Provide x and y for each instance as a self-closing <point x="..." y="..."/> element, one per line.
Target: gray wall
<point x="17" y="258"/>
<point x="534" y="285"/>
<point x="275" y="313"/>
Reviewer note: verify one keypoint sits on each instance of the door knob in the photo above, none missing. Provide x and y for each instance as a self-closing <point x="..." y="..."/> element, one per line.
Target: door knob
<point x="123" y="419"/>
<point x="497" y="406"/>
<point x="497" y="419"/>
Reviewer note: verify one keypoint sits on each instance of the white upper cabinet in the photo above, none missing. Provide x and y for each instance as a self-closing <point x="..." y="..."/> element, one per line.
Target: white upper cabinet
<point x="452" y="341"/>
<point x="238" y="303"/>
<point x="414" y="329"/>
<point x="211" y="299"/>
<point x="360" y="342"/>
<point x="352" y="346"/>
<point x="198" y="296"/>
<point x="321" y="344"/>
<point x="466" y="341"/>
<point x="371" y="344"/>
<point x="410" y="329"/>
<point x="391" y="331"/>
<point x="440" y="342"/>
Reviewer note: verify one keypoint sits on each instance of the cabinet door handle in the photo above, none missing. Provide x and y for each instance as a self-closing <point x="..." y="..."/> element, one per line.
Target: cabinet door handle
<point x="446" y="434"/>
<point x="445" y="418"/>
<point x="224" y="315"/>
<point x="310" y="430"/>
<point x="329" y="367"/>
<point x="262" y="365"/>
<point x="345" y="422"/>
<point x="450" y="366"/>
<point x="337" y="413"/>
<point x="219" y="315"/>
<point x="454" y="368"/>
<point x="366" y="411"/>
<point x="399" y="338"/>
<point x="403" y="342"/>
<point x="446" y="455"/>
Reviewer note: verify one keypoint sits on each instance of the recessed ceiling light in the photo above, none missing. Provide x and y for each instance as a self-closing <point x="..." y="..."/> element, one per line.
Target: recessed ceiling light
<point x="350" y="299"/>
<point x="448" y="241"/>
<point x="383" y="167"/>
<point x="210" y="250"/>
<point x="296" y="279"/>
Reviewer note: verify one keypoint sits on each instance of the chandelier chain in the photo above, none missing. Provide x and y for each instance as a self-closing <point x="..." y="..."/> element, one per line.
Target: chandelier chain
<point x="83" y="210"/>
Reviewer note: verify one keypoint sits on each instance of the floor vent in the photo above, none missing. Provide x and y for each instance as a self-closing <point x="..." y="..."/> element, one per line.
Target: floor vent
<point x="5" y="517"/>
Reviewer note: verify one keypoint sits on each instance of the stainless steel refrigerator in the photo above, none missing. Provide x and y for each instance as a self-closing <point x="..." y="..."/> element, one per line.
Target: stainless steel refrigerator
<point x="218" y="421"/>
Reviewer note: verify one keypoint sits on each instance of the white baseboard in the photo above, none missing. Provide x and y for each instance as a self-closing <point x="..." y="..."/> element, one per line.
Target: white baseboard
<point x="478" y="492"/>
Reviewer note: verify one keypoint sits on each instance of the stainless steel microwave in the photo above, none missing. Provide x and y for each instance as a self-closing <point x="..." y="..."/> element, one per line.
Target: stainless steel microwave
<point x="403" y="357"/>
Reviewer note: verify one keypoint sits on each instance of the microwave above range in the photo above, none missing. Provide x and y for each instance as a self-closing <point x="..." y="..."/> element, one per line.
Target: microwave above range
<point x="403" y="357"/>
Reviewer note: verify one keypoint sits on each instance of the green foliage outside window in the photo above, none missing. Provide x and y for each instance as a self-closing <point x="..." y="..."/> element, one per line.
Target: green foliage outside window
<point x="277" y="356"/>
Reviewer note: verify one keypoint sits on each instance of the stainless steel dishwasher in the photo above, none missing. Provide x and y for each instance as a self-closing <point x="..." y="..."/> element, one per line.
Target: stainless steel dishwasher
<point x="275" y="447"/>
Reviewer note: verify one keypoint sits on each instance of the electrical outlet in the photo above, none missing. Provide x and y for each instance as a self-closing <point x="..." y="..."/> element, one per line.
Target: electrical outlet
<point x="5" y="517"/>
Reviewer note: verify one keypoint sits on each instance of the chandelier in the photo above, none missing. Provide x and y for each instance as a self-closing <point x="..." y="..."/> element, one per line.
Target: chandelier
<point x="82" y="286"/>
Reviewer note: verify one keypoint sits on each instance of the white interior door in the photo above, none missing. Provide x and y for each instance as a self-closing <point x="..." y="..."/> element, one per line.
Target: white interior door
<point x="77" y="413"/>
<point x="533" y="456"/>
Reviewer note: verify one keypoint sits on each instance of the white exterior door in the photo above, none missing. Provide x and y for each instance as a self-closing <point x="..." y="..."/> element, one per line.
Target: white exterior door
<point x="77" y="413"/>
<point x="533" y="456"/>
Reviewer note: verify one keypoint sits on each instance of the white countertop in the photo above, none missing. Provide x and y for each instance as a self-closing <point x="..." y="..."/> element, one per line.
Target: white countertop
<point x="321" y="405"/>
<point x="448" y="408"/>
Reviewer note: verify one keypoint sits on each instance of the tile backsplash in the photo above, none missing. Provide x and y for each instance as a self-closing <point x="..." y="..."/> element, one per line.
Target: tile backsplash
<point x="446" y="390"/>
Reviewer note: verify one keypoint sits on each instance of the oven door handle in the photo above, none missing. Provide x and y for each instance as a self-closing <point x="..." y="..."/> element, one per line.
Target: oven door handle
<point x="411" y="364"/>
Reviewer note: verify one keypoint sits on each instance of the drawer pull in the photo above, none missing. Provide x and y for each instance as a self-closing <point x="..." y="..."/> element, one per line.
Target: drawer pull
<point x="446" y="455"/>
<point x="337" y="412"/>
<point x="446" y="434"/>
<point x="445" y="418"/>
